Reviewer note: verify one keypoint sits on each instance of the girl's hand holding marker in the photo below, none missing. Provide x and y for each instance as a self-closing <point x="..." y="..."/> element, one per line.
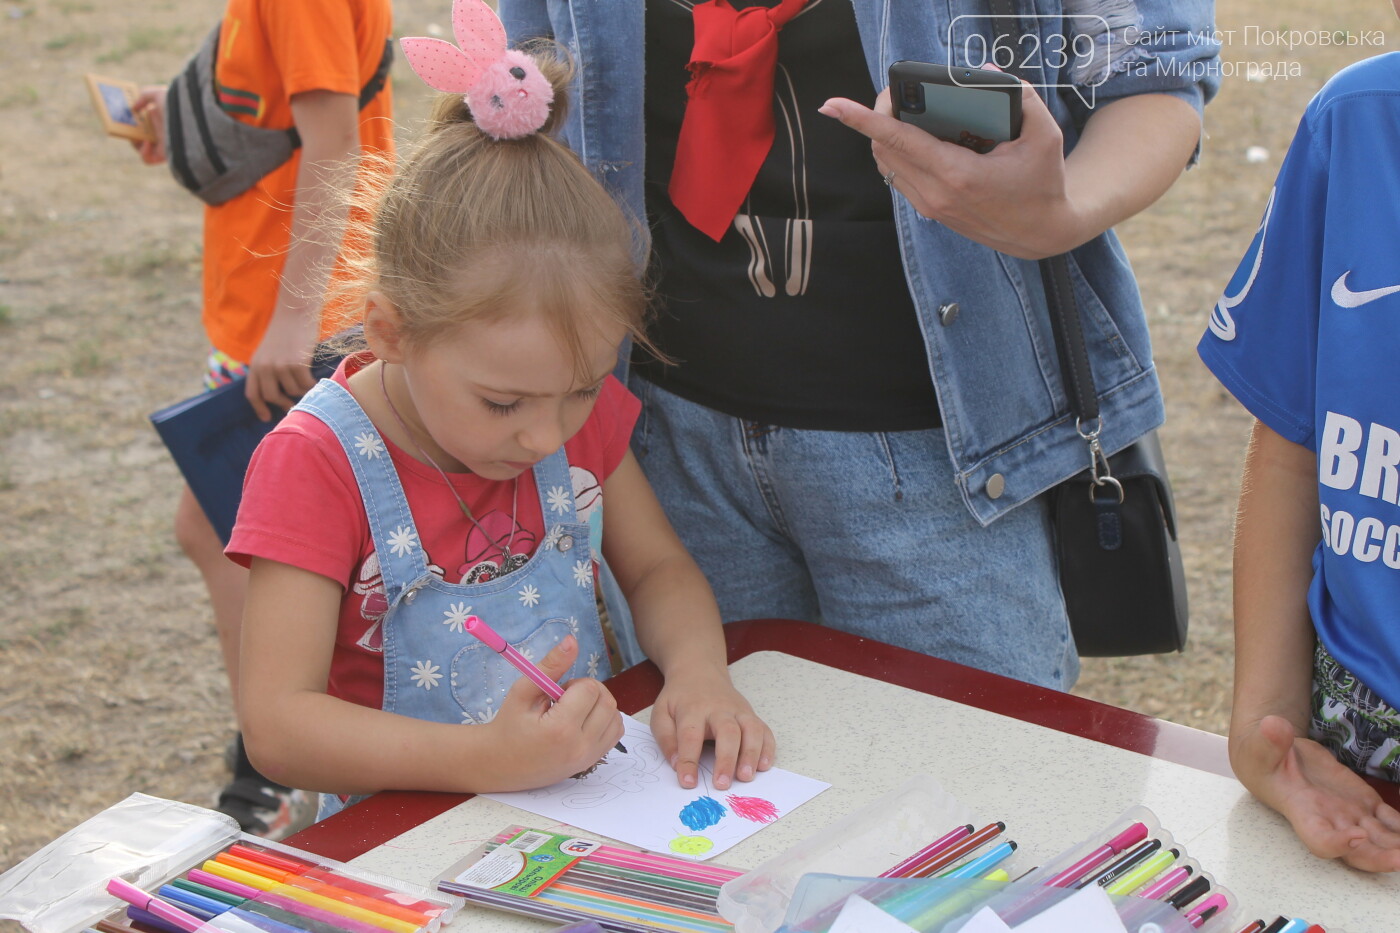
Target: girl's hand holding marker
<point x="540" y="735"/>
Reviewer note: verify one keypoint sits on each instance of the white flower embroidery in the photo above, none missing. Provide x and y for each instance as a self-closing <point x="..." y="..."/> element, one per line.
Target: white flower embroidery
<point x="593" y="660"/>
<point x="369" y="444"/>
<point x="559" y="499"/>
<point x="551" y="540"/>
<point x="583" y="572"/>
<point x="426" y="674"/>
<point x="457" y="617"/>
<point x="573" y="625"/>
<point x="403" y="540"/>
<point x="529" y="595"/>
<point x="483" y="719"/>
<point x="528" y="653"/>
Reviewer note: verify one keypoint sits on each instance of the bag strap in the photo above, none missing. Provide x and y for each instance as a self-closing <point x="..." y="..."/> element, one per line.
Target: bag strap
<point x="1066" y="324"/>
<point x="369" y="92"/>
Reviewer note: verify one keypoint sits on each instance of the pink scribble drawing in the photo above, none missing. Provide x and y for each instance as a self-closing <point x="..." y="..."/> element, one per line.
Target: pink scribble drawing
<point x="755" y="809"/>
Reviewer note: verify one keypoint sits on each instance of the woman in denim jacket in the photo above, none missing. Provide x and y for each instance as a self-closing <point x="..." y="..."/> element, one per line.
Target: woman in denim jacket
<point x="863" y="403"/>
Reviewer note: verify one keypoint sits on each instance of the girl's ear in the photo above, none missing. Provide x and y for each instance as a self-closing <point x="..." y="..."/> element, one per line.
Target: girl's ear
<point x="383" y="331"/>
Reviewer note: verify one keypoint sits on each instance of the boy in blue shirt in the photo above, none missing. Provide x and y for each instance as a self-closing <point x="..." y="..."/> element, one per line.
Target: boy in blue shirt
<point x="1307" y="337"/>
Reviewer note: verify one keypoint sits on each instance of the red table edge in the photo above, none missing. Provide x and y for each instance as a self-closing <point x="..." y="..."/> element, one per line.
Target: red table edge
<point x="383" y="816"/>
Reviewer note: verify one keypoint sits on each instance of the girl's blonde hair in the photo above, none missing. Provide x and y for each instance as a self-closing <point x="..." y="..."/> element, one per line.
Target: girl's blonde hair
<point x="472" y="229"/>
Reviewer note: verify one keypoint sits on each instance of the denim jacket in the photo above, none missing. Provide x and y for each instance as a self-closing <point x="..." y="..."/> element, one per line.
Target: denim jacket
<point x="993" y="360"/>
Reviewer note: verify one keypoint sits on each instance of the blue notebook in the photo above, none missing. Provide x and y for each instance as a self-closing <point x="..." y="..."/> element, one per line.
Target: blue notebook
<point x="212" y="437"/>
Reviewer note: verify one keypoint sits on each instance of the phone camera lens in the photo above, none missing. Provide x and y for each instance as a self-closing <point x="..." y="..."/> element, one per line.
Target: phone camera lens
<point x="911" y="97"/>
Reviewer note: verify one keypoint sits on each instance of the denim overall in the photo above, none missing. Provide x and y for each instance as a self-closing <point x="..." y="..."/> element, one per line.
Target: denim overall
<point x="434" y="669"/>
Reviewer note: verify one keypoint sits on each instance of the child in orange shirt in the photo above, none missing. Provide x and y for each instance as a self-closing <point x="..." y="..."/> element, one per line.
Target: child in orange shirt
<point x="268" y="258"/>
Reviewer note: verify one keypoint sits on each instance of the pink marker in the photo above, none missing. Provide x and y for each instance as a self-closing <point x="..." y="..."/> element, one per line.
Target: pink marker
<point x="1166" y="883"/>
<point x="928" y="851"/>
<point x="152" y="904"/>
<point x="1129" y="837"/>
<point x="524" y="665"/>
<point x="1206" y="909"/>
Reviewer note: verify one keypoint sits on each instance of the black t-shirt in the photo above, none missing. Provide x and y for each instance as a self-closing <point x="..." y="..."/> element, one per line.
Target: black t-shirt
<point x="804" y="320"/>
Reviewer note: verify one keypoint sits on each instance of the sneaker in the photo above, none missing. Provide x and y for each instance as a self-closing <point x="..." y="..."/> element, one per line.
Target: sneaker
<point x="268" y="810"/>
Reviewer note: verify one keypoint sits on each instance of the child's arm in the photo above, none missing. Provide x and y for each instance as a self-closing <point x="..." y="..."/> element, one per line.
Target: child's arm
<point x="1334" y="812"/>
<point x="299" y="735"/>
<point x="329" y="125"/>
<point x="678" y="626"/>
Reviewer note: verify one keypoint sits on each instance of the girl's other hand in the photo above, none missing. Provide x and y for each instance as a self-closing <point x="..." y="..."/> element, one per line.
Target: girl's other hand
<point x="703" y="704"/>
<point x="1332" y="809"/>
<point x="542" y="742"/>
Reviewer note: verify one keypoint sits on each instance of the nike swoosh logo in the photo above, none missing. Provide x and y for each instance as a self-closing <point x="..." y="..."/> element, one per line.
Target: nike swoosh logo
<point x="1350" y="299"/>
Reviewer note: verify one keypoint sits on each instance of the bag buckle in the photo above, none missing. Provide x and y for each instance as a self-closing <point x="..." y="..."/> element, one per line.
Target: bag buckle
<point x="1099" y="470"/>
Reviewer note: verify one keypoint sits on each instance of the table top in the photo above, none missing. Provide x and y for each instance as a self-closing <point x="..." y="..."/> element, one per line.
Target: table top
<point x="1056" y="768"/>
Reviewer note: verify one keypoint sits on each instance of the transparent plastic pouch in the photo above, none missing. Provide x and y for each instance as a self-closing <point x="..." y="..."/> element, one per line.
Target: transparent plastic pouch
<point x="148" y="841"/>
<point x="942" y="905"/>
<point x="867" y="842"/>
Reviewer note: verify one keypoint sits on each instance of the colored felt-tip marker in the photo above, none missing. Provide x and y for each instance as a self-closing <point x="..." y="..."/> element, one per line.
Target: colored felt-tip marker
<point x="153" y="905"/>
<point x="1129" y="837"/>
<point x="1130" y="881"/>
<point x="1123" y="864"/>
<point x="1167" y="883"/>
<point x="517" y="660"/>
<point x="1193" y="889"/>
<point x="1206" y="909"/>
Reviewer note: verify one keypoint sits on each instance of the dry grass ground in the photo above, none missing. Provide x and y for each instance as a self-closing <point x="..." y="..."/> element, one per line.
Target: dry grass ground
<point x="109" y="674"/>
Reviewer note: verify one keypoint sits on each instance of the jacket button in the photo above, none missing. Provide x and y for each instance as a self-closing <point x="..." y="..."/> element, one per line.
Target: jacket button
<point x="948" y="312"/>
<point x="996" y="485"/>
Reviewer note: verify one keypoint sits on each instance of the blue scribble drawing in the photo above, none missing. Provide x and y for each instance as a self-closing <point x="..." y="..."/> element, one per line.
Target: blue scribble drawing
<point x="701" y="813"/>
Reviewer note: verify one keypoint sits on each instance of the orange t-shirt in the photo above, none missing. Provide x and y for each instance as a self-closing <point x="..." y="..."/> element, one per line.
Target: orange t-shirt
<point x="270" y="50"/>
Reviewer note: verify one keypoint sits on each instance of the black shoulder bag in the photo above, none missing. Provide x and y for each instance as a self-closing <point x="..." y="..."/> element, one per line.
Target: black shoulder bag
<point x="1115" y="523"/>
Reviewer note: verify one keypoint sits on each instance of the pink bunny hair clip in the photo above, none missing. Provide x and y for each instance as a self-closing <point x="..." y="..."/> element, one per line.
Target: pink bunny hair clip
<point x="508" y="96"/>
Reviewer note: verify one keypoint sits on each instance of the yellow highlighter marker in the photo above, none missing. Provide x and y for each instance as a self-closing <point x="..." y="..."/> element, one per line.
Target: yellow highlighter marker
<point x="1144" y="873"/>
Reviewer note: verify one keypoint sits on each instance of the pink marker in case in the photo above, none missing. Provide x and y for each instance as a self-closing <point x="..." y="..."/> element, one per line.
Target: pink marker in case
<point x="152" y="904"/>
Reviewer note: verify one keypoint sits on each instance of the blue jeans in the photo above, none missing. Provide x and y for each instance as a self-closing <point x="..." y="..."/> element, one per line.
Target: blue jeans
<point x="866" y="533"/>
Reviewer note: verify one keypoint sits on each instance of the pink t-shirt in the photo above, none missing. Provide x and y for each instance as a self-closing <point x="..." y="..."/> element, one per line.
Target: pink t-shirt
<point x="301" y="506"/>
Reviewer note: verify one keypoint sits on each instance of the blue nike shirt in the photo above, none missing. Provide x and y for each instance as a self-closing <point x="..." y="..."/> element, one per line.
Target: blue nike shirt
<point x="1307" y="337"/>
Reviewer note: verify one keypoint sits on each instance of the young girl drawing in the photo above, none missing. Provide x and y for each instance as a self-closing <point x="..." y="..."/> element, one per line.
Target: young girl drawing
<point x="460" y="464"/>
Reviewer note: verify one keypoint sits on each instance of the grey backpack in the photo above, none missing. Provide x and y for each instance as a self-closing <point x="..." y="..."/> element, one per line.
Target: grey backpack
<point x="216" y="156"/>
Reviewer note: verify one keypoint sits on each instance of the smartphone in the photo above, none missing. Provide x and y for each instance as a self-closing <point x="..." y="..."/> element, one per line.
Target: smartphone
<point x="973" y="107"/>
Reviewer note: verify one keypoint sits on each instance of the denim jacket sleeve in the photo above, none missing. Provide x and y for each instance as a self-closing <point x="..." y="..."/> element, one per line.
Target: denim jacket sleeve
<point x="1148" y="47"/>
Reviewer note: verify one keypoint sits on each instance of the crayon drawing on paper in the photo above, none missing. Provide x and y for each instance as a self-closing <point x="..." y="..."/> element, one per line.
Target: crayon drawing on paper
<point x="636" y="799"/>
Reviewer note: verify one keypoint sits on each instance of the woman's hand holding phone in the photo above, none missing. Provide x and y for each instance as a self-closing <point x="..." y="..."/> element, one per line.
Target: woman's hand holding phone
<point x="1013" y="199"/>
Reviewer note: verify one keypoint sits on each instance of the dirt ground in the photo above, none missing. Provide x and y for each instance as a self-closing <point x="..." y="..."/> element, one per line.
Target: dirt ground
<point x="109" y="674"/>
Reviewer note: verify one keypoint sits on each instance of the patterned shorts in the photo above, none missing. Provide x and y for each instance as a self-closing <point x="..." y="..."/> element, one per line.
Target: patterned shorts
<point x="1360" y="728"/>
<point x="220" y="369"/>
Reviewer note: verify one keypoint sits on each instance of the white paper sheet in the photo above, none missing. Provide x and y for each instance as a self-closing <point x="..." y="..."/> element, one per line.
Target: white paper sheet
<point x="985" y="921"/>
<point x="635" y="798"/>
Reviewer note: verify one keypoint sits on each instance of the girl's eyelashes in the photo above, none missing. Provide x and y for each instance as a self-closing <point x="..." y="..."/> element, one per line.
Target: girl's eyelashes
<point x="505" y="408"/>
<point x="496" y="408"/>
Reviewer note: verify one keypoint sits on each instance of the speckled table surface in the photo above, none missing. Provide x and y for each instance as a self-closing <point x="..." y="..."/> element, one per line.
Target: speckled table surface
<point x="1053" y="790"/>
